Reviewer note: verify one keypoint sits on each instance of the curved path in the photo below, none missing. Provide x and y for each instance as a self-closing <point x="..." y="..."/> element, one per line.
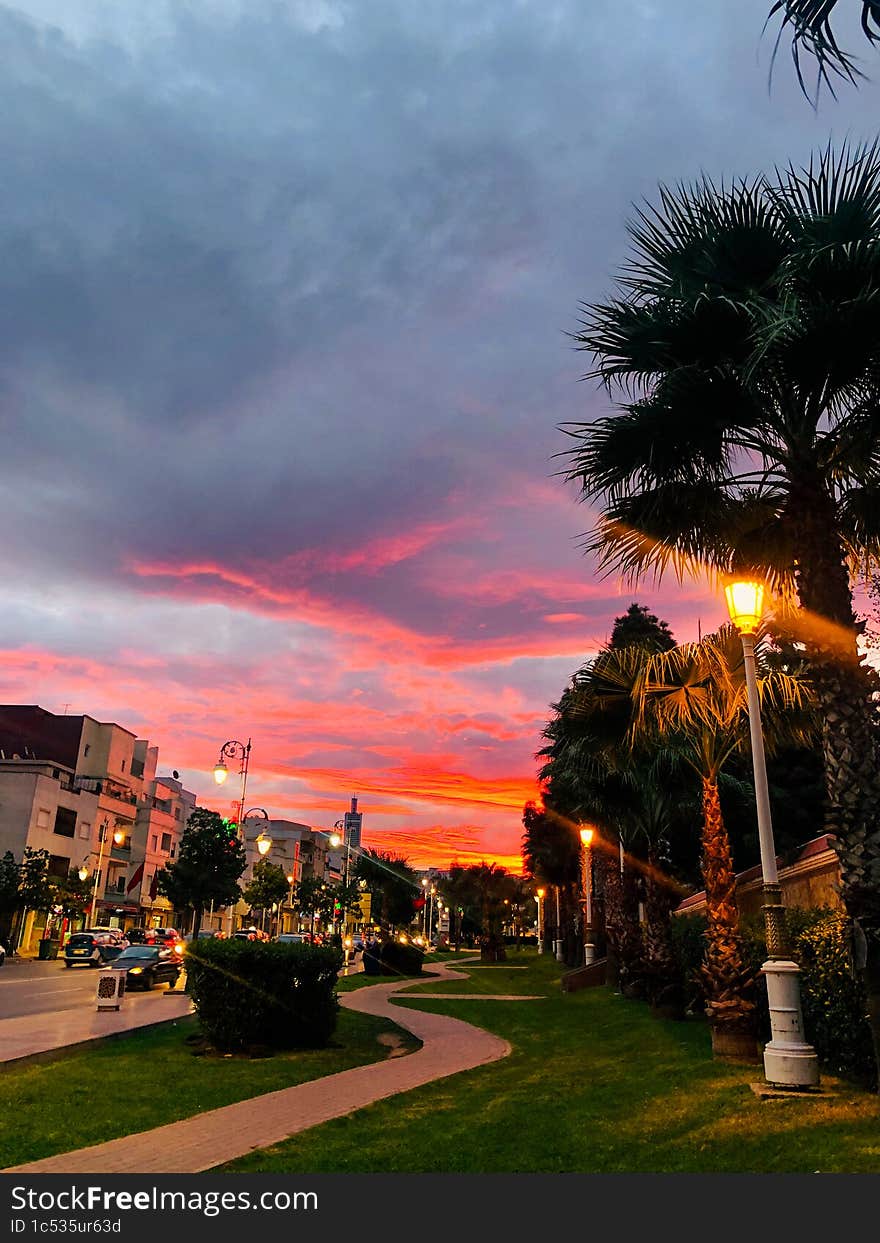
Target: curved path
<point x="219" y="1135"/>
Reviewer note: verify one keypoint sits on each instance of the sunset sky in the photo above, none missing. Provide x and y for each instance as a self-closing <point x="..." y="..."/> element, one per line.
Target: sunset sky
<point x="285" y="292"/>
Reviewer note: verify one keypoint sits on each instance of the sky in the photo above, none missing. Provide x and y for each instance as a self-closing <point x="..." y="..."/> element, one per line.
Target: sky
<point x="286" y="289"/>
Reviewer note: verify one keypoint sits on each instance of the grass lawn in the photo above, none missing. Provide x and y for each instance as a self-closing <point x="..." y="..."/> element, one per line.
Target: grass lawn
<point x="142" y="1080"/>
<point x="594" y="1084"/>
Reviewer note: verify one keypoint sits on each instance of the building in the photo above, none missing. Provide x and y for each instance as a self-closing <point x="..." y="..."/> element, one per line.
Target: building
<point x="43" y="807"/>
<point x="101" y="760"/>
<point x="161" y="818"/>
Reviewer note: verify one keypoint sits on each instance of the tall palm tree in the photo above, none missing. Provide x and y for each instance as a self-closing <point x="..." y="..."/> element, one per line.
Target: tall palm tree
<point x="744" y="351"/>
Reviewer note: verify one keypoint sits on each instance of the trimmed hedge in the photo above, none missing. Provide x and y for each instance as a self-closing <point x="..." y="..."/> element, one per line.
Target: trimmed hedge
<point x="258" y="993"/>
<point x="832" y="996"/>
<point x="399" y="959"/>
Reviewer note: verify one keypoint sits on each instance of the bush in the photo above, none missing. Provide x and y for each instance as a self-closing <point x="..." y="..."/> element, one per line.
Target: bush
<point x="399" y="959"/>
<point x="253" y="993"/>
<point x="832" y="996"/>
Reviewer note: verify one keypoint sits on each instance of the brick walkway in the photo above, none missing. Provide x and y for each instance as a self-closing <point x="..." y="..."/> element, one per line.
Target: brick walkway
<point x="209" y="1139"/>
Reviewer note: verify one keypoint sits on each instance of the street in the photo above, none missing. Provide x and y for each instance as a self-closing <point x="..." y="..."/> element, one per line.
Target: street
<point x="48" y="988"/>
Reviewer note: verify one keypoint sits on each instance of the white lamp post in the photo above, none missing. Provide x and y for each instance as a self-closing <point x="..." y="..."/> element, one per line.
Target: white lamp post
<point x="788" y="1060"/>
<point x="586" y="864"/>
<point x="539" y="896"/>
<point x="557" y="944"/>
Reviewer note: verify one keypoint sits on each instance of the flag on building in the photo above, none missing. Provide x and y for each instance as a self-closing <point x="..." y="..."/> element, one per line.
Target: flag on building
<point x="136" y="879"/>
<point x="154" y="886"/>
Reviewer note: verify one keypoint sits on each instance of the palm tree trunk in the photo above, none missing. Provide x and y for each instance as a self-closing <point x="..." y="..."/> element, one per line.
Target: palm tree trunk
<point x="664" y="990"/>
<point x="849" y="728"/>
<point x="727" y="982"/>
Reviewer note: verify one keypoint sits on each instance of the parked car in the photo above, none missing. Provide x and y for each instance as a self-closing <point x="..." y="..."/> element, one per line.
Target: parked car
<point x="141" y="936"/>
<point x="147" y="965"/>
<point x="291" y="938"/>
<point x="94" y="948"/>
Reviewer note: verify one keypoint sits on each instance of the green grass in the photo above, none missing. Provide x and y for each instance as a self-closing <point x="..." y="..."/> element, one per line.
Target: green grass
<point x="145" y="1079"/>
<point x="594" y="1084"/>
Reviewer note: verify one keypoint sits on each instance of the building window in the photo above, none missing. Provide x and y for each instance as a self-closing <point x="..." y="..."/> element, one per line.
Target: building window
<point x="85" y="829"/>
<point x="58" y="865"/>
<point x="43" y="818"/>
<point x="177" y="812"/>
<point x="86" y="749"/>
<point x="123" y="767"/>
<point x="166" y="841"/>
<point x="154" y="842"/>
<point x="65" y="823"/>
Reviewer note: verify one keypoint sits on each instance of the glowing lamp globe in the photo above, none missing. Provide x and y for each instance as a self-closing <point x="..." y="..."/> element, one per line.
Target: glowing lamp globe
<point x="83" y="873"/>
<point x="221" y="772"/>
<point x="587" y="836"/>
<point x="264" y="844"/>
<point x="335" y="840"/>
<point x="119" y="837"/>
<point x="290" y="878"/>
<point x="745" y="604"/>
<point x="541" y="893"/>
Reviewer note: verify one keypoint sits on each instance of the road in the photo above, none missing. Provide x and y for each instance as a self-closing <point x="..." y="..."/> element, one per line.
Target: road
<point x="47" y="988"/>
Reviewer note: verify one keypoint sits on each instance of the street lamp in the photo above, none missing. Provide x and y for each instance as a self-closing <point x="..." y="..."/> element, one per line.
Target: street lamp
<point x="83" y="873"/>
<point x="230" y="750"/>
<point x="118" y="838"/>
<point x="557" y="944"/>
<point x="587" y="865"/>
<point x="788" y="1060"/>
<point x="539" y="894"/>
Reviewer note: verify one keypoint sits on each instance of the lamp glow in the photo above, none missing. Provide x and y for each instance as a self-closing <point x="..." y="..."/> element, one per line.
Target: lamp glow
<point x="221" y="772"/>
<point x="541" y="892"/>
<point x="745" y="604"/>
<point x="119" y="837"/>
<point x="83" y="873"/>
<point x="587" y="836"/>
<point x="335" y="840"/>
<point x="263" y="844"/>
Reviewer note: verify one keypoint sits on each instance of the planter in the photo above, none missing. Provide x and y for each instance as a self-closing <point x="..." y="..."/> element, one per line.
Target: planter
<point x="730" y="1045"/>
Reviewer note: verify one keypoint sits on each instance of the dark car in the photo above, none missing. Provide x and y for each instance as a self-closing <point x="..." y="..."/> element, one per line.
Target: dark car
<point x="92" y="949"/>
<point x="146" y="965"/>
<point x="141" y="936"/>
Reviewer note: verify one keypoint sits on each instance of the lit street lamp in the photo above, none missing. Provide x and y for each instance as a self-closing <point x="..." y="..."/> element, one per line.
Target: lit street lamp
<point x="587" y="866"/>
<point x="118" y="838"/>
<point x="788" y="1060"/>
<point x="539" y="896"/>
<point x="230" y="750"/>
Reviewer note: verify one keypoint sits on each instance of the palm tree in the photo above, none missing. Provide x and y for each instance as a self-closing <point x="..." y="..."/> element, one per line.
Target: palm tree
<point x="809" y="23"/>
<point x="744" y="350"/>
<point x="697" y="692"/>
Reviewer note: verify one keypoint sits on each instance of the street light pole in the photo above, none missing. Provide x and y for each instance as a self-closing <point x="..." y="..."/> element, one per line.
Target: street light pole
<point x="540" y="895"/>
<point x="587" y="866"/>
<point x="788" y="1060"/>
<point x="229" y="750"/>
<point x="119" y="838"/>
<point x="557" y="944"/>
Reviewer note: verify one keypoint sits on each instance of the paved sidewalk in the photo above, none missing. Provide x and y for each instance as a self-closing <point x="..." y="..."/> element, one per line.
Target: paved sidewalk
<point x="40" y="1033"/>
<point x="210" y="1139"/>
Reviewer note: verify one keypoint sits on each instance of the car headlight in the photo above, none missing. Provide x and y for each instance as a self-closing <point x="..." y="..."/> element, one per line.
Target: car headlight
<point x="135" y="970"/>
<point x="180" y="947"/>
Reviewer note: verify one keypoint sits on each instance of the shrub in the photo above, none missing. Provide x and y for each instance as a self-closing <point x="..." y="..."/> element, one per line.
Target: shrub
<point x="832" y="995"/>
<point x="399" y="959"/>
<point x="250" y="993"/>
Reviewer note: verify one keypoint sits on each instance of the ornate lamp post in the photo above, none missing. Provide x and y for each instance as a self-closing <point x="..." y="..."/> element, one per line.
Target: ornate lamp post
<point x="539" y="896"/>
<point x="230" y="750"/>
<point x="587" y="872"/>
<point x="557" y="944"/>
<point x="788" y="1060"/>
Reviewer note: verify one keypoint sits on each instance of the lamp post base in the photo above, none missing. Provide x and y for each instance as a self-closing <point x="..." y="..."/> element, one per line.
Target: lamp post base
<point x="557" y="950"/>
<point x="589" y="953"/>
<point x="789" y="1062"/>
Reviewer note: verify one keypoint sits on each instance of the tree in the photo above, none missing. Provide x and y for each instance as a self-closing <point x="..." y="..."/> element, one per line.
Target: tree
<point x="810" y="26"/>
<point x="9" y="878"/>
<point x="267" y="887"/>
<point x="209" y="865"/>
<point x="314" y="899"/>
<point x="638" y="627"/>
<point x="392" y="885"/>
<point x="70" y="893"/>
<point x="743" y="350"/>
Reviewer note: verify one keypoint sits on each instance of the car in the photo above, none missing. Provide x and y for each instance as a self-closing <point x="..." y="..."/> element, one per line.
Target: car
<point x="147" y="965"/>
<point x="291" y="938"/>
<point x="93" y="948"/>
<point x="141" y="936"/>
